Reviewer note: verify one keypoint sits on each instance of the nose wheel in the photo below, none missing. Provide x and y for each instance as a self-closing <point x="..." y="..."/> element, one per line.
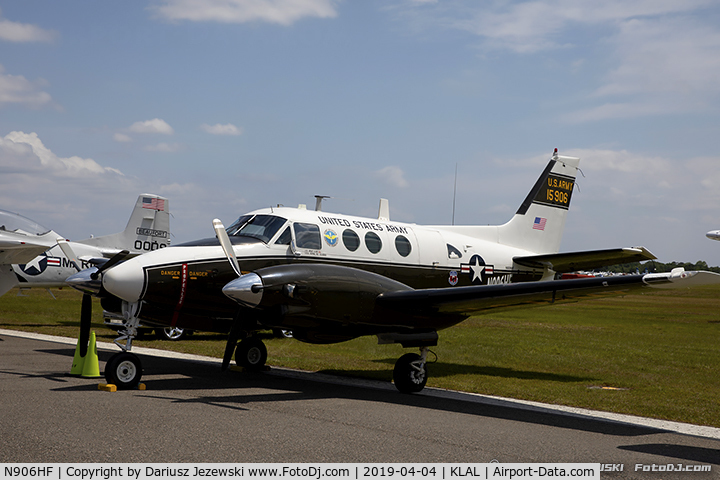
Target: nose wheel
<point x="123" y="370"/>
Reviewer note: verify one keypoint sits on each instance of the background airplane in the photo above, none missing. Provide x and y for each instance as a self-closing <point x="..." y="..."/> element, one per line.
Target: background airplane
<point x="713" y="235"/>
<point x="330" y="277"/>
<point x="31" y="257"/>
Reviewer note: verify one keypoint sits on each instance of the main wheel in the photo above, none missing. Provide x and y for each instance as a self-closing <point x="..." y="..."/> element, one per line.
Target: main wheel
<point x="251" y="354"/>
<point x="123" y="370"/>
<point x="407" y="376"/>
<point x="169" y="333"/>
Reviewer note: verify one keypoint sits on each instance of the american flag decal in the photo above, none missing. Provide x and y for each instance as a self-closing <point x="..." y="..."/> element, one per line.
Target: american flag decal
<point x="539" y="223"/>
<point x="53" y="261"/>
<point x="153" y="203"/>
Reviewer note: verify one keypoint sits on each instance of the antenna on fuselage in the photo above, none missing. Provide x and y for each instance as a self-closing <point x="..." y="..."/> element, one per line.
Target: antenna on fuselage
<point x="318" y="202"/>
<point x="454" y="194"/>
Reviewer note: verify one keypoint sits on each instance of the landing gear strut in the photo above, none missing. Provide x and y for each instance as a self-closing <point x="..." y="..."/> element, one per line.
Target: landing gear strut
<point x="410" y="373"/>
<point x="124" y="369"/>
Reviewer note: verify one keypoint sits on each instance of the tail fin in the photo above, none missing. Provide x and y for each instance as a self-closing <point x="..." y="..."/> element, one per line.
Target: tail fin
<point x="539" y="223"/>
<point x="148" y="228"/>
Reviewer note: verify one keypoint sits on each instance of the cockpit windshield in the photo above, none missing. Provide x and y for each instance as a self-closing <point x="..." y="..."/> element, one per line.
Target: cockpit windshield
<point x="12" y="222"/>
<point x="263" y="227"/>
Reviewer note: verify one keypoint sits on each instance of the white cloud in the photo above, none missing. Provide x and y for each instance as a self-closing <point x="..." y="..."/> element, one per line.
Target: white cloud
<point x="122" y="138"/>
<point x="17" y="90"/>
<point x="527" y="27"/>
<point x="282" y="12"/>
<point x="23" y="32"/>
<point x="663" y="56"/>
<point x="393" y="176"/>
<point x="218" y="129"/>
<point x="25" y="152"/>
<point x="155" y="125"/>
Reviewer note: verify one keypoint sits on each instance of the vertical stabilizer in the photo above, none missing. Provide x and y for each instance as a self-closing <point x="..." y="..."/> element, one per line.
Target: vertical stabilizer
<point x="539" y="223"/>
<point x="148" y="228"/>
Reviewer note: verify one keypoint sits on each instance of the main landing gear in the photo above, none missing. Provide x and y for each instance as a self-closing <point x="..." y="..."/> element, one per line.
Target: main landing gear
<point x="251" y="354"/>
<point x="410" y="373"/>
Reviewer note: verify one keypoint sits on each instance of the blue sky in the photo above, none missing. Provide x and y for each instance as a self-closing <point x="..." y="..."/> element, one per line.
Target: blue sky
<point x="225" y="106"/>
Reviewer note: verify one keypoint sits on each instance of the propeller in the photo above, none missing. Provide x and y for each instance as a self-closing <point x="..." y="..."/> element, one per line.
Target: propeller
<point x="68" y="252"/>
<point x="87" y="282"/>
<point x="226" y="245"/>
<point x="236" y="329"/>
<point x="114" y="260"/>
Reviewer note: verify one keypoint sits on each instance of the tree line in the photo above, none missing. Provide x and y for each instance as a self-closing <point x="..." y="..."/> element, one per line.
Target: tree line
<point x="653" y="266"/>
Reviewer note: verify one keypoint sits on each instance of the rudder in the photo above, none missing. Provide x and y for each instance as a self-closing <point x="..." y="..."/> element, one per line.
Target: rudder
<point x="539" y="223"/>
<point x="148" y="228"/>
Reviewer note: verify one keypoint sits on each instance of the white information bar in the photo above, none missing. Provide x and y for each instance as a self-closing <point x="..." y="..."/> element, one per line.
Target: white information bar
<point x="298" y="471"/>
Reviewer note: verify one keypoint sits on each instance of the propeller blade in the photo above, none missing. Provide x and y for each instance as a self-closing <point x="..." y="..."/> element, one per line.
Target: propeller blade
<point x="226" y="245"/>
<point x="85" y="320"/>
<point x="68" y="252"/>
<point x="232" y="341"/>
<point x="114" y="260"/>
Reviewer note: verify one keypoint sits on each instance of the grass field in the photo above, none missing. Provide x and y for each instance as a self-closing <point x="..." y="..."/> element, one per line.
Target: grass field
<point x="654" y="355"/>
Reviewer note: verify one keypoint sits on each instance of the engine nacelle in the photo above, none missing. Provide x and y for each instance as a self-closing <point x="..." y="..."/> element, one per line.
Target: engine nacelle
<point x="322" y="292"/>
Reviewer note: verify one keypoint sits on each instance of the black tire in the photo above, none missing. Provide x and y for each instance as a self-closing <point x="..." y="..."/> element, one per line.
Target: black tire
<point x="169" y="333"/>
<point x="251" y="354"/>
<point x="407" y="379"/>
<point x="123" y="370"/>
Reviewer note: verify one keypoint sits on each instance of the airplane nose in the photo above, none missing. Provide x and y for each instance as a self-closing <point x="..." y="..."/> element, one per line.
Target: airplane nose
<point x="125" y="281"/>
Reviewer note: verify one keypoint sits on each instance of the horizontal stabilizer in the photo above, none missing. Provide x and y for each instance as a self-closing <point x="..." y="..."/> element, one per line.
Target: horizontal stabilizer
<point x="591" y="259"/>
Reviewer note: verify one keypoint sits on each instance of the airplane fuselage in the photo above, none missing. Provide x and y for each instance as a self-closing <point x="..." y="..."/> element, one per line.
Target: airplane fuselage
<point x="182" y="285"/>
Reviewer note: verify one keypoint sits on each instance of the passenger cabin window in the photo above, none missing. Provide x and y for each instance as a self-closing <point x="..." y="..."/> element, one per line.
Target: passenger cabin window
<point x="262" y="227"/>
<point x="350" y="240"/>
<point x="307" y="235"/>
<point x="402" y="245"/>
<point x="453" y="252"/>
<point x="373" y="242"/>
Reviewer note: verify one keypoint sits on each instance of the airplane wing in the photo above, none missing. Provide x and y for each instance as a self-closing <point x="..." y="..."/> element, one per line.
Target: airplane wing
<point x="574" y="261"/>
<point x="20" y="252"/>
<point x="474" y="300"/>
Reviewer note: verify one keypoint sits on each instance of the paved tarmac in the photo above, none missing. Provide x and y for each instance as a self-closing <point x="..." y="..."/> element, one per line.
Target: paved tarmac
<point x="192" y="412"/>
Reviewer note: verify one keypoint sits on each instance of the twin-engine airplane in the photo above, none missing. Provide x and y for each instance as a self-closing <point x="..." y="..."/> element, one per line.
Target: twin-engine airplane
<point x="30" y="255"/>
<point x="329" y="278"/>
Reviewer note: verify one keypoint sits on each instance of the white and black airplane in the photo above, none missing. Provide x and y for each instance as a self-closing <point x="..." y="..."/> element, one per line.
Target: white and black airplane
<point x="32" y="255"/>
<point x="713" y="235"/>
<point x="330" y="277"/>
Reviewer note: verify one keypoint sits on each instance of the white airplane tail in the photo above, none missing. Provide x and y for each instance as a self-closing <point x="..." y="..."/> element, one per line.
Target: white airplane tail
<point x="148" y="228"/>
<point x="537" y="227"/>
<point x="539" y="223"/>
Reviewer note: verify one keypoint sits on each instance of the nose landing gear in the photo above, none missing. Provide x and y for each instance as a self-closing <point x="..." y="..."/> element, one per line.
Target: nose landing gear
<point x="124" y="369"/>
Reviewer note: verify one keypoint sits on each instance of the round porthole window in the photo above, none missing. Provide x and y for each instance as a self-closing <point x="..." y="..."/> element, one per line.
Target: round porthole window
<point x="402" y="245"/>
<point x="373" y="242"/>
<point x="350" y="240"/>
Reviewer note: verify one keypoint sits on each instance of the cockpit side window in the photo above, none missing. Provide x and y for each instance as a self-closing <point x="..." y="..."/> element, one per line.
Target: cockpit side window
<point x="285" y="238"/>
<point x="262" y="227"/>
<point x="453" y="252"/>
<point x="307" y="235"/>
